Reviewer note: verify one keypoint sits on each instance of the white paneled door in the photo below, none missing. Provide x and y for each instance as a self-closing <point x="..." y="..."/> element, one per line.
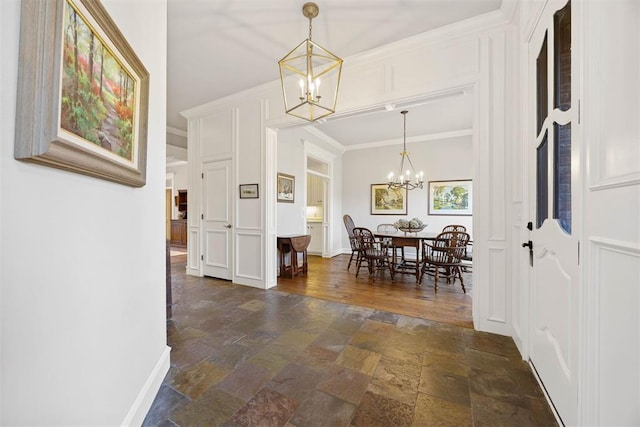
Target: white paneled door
<point x="216" y="217"/>
<point x="553" y="248"/>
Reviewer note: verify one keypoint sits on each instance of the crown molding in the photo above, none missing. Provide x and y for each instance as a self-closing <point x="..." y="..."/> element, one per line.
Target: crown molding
<point x="442" y="36"/>
<point x="325" y="138"/>
<point x="173" y="163"/>
<point x="509" y="9"/>
<point x="178" y="132"/>
<point x="263" y="91"/>
<point x="419" y="138"/>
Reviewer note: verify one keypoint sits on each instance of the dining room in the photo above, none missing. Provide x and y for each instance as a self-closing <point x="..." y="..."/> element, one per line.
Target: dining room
<point x="365" y="149"/>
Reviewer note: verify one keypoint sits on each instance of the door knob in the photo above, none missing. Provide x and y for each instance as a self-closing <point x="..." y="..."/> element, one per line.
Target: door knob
<point x="227" y="226"/>
<point x="528" y="244"/>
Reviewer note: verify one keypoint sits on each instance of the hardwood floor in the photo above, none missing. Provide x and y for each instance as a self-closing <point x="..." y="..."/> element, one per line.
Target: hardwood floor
<point x="329" y="279"/>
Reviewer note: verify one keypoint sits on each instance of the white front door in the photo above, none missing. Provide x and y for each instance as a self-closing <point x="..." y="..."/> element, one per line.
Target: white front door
<point x="217" y="228"/>
<point x="555" y="213"/>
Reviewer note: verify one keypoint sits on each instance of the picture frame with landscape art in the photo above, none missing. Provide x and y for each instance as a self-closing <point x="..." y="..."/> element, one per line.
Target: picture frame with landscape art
<point x="451" y="197"/>
<point x="83" y="94"/>
<point x="249" y="191"/>
<point x="386" y="201"/>
<point x="286" y="188"/>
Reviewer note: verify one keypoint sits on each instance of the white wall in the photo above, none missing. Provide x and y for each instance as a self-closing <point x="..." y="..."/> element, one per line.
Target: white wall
<point x="292" y="216"/>
<point x="440" y="160"/>
<point x="291" y="161"/>
<point x="82" y="271"/>
<point x="611" y="200"/>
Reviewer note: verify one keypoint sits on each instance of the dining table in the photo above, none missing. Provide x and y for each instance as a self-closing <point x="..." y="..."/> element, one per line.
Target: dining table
<point x="403" y="239"/>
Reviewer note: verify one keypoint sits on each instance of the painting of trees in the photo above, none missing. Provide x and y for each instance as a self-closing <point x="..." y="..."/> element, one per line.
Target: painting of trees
<point x="450" y="197"/>
<point x="98" y="94"/>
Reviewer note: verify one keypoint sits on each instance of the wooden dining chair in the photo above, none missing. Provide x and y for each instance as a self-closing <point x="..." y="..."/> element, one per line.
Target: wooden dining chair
<point x="442" y="257"/>
<point x="390" y="228"/>
<point x="467" y="258"/>
<point x="454" y="227"/>
<point x="373" y="251"/>
<point x="349" y="225"/>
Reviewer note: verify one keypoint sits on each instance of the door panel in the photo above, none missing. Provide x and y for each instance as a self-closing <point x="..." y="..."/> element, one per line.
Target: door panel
<point x="216" y="217"/>
<point x="554" y="277"/>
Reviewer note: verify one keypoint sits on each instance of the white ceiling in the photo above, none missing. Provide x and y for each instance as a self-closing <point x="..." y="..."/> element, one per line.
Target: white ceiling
<point x="219" y="47"/>
<point x="428" y="118"/>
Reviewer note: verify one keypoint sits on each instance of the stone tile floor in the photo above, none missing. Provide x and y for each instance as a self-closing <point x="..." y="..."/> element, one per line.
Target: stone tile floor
<point x="248" y="357"/>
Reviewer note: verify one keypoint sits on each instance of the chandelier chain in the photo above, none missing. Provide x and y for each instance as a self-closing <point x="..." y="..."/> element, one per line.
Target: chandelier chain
<point x="401" y="181"/>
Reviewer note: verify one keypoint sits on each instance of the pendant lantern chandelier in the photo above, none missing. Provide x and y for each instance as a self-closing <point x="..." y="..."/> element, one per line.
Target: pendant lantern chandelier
<point x="310" y="76"/>
<point x="406" y="172"/>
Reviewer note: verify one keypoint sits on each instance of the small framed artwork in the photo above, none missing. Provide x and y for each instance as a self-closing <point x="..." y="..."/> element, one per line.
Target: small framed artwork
<point x="83" y="94"/>
<point x="388" y="201"/>
<point x="450" y="197"/>
<point x="286" y="188"/>
<point x="249" y="191"/>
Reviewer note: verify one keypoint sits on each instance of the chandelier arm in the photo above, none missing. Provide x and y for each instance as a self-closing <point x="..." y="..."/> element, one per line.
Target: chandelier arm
<point x="401" y="176"/>
<point x="413" y="170"/>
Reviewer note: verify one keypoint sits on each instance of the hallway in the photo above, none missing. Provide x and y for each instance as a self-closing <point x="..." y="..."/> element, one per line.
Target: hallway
<point x="243" y="356"/>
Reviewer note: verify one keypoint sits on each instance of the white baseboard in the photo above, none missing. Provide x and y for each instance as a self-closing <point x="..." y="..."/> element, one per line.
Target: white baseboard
<point x="143" y="401"/>
<point x="193" y="272"/>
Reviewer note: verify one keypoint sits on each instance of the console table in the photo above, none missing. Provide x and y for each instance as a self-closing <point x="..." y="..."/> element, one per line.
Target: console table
<point x="293" y="245"/>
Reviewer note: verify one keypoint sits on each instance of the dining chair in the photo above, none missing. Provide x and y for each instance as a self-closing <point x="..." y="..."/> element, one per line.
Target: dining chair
<point x="349" y="225"/>
<point x="454" y="227"/>
<point x="390" y="228"/>
<point x="442" y="258"/>
<point x="375" y="252"/>
<point x="467" y="258"/>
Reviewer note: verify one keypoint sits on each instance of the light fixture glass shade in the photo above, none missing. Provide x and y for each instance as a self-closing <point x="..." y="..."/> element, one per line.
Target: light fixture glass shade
<point x="310" y="77"/>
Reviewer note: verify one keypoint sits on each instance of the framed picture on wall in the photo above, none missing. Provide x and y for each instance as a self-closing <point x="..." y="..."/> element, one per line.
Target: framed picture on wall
<point x="450" y="197"/>
<point x="386" y="201"/>
<point x="249" y="191"/>
<point x="286" y="188"/>
<point x="83" y="94"/>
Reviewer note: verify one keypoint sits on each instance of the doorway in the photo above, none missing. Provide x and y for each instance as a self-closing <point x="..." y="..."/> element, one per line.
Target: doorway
<point x="317" y="217"/>
<point x="319" y="167"/>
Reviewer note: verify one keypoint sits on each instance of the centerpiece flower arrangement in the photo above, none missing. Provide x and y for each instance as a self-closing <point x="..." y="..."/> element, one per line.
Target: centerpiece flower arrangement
<point x="413" y="225"/>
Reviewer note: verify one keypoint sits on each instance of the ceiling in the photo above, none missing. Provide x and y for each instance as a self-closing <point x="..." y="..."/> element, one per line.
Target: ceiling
<point x="219" y="47"/>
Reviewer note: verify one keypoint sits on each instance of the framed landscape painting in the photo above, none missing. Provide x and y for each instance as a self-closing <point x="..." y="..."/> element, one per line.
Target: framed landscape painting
<point x="83" y="93"/>
<point x="386" y="201"/>
<point x="286" y="188"/>
<point x="450" y="197"/>
<point x="249" y="191"/>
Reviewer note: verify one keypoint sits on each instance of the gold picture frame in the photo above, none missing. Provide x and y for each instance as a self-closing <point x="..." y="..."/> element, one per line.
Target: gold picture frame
<point x="451" y="197"/>
<point x="286" y="188"/>
<point x="83" y="94"/>
<point x="388" y="201"/>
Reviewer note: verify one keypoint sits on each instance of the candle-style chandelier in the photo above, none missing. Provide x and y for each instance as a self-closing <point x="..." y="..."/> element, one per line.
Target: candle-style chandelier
<point x="403" y="179"/>
<point x="303" y="70"/>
